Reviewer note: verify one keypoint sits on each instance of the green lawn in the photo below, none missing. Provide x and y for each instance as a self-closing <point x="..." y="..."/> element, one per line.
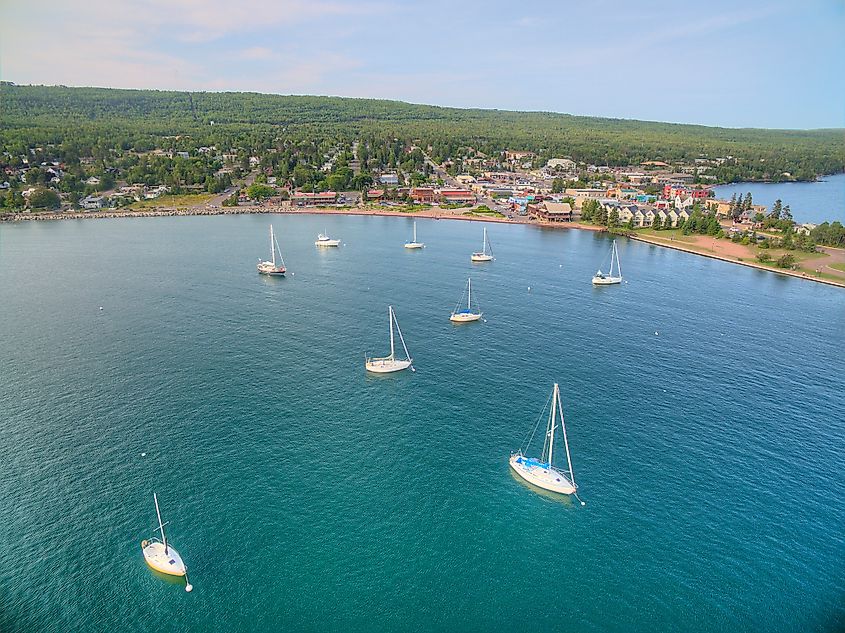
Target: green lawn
<point x="838" y="267"/>
<point x="170" y="201"/>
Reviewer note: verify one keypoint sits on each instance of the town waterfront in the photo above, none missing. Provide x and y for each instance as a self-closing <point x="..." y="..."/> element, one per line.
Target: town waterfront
<point x="703" y="400"/>
<point x="815" y="202"/>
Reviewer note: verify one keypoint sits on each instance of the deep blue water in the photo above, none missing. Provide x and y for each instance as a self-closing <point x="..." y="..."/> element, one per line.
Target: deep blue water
<point x="705" y="404"/>
<point x="816" y="202"/>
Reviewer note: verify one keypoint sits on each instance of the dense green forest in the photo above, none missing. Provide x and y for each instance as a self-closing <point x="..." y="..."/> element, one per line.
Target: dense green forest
<point x="97" y="122"/>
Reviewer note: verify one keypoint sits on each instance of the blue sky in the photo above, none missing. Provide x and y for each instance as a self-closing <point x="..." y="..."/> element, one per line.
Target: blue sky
<point x="737" y="64"/>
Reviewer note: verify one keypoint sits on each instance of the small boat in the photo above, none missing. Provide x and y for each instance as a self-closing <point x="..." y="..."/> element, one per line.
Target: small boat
<point x="600" y="279"/>
<point x="414" y="243"/>
<point x="325" y="240"/>
<point x="540" y="471"/>
<point x="483" y="255"/>
<point x="390" y="363"/>
<point x="162" y="557"/>
<point x="271" y="267"/>
<point x="465" y="315"/>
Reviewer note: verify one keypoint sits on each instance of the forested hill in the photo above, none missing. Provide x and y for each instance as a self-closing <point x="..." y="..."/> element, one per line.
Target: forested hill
<point x="143" y="119"/>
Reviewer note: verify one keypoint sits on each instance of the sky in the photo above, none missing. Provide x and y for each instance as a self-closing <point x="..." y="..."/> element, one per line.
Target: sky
<point x="778" y="64"/>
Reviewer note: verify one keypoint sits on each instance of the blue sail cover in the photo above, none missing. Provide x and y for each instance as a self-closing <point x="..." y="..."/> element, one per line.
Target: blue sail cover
<point x="531" y="462"/>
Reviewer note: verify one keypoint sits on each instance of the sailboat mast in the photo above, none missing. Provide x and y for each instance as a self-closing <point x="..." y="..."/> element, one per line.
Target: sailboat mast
<point x="612" y="256"/>
<point x="272" y="245"/>
<point x="469" y="293"/>
<point x="552" y="424"/>
<point x="565" y="440"/>
<point x="618" y="265"/>
<point x="160" y="524"/>
<point x="415" y="231"/>
<point x="390" y="322"/>
<point x="484" y="245"/>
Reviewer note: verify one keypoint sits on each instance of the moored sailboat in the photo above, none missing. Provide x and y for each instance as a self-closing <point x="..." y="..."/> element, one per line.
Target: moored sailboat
<point x="414" y="243"/>
<point x="483" y="255"/>
<point x="161" y="556"/>
<point x="540" y="471"/>
<point x="271" y="267"/>
<point x="324" y="240"/>
<point x="600" y="279"/>
<point x="389" y="364"/>
<point x="465" y="315"/>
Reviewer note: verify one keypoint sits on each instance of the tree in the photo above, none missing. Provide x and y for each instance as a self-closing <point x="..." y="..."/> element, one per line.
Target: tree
<point x="588" y="209"/>
<point x="764" y="257"/>
<point x="613" y="219"/>
<point x="600" y="215"/>
<point x="43" y="198"/>
<point x="787" y="214"/>
<point x="106" y="182"/>
<point x="777" y="207"/>
<point x="658" y="223"/>
<point x="558" y="185"/>
<point x="786" y="261"/>
<point x="737" y="207"/>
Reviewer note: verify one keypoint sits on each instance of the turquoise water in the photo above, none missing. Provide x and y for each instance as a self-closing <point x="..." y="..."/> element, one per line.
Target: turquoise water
<point x="705" y="406"/>
<point x="817" y="202"/>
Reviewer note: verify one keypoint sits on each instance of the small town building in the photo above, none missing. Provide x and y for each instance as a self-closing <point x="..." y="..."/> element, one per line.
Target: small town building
<point x="91" y="203"/>
<point x="424" y="195"/>
<point x="304" y="199"/>
<point x="457" y="196"/>
<point x="389" y="179"/>
<point x="552" y="211"/>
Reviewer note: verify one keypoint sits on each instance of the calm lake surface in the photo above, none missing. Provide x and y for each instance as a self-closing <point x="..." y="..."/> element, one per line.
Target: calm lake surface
<point x="817" y="202"/>
<point x="705" y="404"/>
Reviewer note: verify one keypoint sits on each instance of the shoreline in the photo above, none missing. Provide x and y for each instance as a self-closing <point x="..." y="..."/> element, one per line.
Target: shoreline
<point x="434" y="213"/>
<point x="779" y="271"/>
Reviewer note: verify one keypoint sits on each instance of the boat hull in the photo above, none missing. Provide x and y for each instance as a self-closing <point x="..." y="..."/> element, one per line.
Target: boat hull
<point x="541" y="475"/>
<point x="480" y="257"/>
<point x="465" y="317"/>
<point x="167" y="562"/>
<point x="327" y="243"/>
<point x="413" y="245"/>
<point x="606" y="281"/>
<point x="386" y="365"/>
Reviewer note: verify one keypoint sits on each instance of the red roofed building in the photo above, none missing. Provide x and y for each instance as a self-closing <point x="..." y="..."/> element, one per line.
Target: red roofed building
<point x="423" y="195"/>
<point x="457" y="196"/>
<point x="375" y="194"/>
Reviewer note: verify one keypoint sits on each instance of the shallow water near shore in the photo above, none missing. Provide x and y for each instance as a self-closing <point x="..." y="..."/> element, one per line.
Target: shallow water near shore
<point x="705" y="404"/>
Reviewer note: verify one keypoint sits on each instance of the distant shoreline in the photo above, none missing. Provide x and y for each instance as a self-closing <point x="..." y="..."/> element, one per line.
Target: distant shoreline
<point x="434" y="213"/>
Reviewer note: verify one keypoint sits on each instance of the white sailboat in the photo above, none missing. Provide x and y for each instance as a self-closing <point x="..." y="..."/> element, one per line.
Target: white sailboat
<point x="388" y="364"/>
<point x="541" y="471"/>
<point x="600" y="279"/>
<point x="324" y="240"/>
<point x="483" y="255"/>
<point x="465" y="315"/>
<point x="161" y="556"/>
<point x="270" y="267"/>
<point x="414" y="243"/>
